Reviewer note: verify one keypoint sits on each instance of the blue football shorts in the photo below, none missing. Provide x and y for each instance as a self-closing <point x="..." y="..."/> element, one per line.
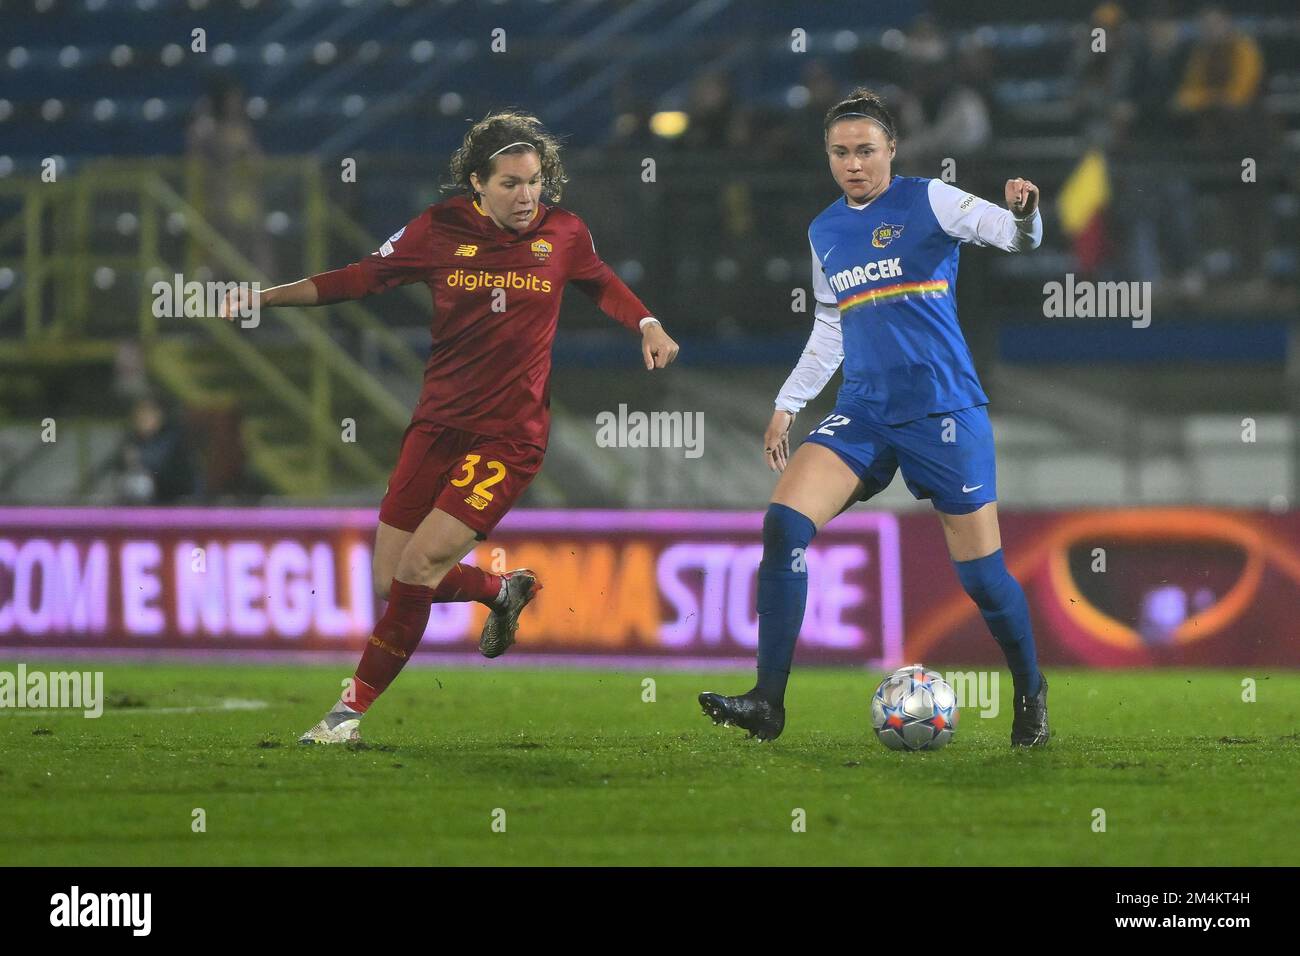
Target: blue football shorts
<point x="946" y="457"/>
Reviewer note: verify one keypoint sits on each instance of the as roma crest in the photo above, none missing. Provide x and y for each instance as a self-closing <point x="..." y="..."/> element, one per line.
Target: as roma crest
<point x="542" y="249"/>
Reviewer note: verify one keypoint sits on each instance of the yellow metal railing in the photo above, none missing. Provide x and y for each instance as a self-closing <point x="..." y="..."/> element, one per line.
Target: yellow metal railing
<point x="59" y="319"/>
<point x="55" y="227"/>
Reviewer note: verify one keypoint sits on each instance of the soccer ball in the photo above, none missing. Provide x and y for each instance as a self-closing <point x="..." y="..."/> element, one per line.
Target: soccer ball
<point x="914" y="709"/>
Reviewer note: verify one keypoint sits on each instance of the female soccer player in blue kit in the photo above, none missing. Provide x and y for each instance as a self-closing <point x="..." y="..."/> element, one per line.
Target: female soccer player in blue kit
<point x="884" y="266"/>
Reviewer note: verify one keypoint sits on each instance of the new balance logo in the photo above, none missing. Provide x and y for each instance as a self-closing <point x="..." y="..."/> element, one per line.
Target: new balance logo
<point x="466" y="251"/>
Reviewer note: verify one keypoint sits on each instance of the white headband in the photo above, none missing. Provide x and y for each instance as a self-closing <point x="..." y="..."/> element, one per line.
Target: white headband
<point x="512" y="146"/>
<point x="888" y="131"/>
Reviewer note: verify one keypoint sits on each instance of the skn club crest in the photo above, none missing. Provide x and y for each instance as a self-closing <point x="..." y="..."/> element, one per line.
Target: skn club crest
<point x="885" y="234"/>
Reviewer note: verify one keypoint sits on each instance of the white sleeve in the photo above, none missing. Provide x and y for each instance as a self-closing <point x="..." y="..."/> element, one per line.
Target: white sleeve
<point x="968" y="218"/>
<point x="822" y="355"/>
<point x="822" y="290"/>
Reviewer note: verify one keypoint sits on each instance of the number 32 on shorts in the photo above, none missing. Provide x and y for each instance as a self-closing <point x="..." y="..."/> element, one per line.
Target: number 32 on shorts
<point x="480" y="498"/>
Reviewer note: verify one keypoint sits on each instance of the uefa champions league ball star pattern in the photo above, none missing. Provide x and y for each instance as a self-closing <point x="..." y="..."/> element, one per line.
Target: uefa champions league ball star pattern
<point x="914" y="709"/>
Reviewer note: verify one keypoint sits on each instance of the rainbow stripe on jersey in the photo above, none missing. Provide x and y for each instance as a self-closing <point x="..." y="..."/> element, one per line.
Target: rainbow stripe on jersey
<point x="935" y="288"/>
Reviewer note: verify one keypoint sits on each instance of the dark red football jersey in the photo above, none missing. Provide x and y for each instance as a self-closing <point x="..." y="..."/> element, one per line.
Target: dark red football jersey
<point x="496" y="302"/>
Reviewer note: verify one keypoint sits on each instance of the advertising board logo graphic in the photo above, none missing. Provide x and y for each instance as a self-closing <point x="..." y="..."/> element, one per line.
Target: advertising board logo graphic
<point x="1177" y="586"/>
<point x="663" y="584"/>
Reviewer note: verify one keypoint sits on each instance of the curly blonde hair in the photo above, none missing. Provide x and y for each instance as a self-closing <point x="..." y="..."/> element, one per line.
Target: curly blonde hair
<point x="496" y="130"/>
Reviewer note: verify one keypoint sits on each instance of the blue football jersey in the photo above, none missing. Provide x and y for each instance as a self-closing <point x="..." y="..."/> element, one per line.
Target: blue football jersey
<point x="890" y="269"/>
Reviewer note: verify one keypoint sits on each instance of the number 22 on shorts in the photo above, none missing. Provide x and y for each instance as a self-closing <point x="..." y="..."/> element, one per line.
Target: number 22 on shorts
<point x="481" y="492"/>
<point x="830" y="423"/>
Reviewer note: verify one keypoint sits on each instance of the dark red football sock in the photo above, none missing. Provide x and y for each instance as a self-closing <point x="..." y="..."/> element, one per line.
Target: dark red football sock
<point x="363" y="695"/>
<point x="394" y="640"/>
<point x="466" y="583"/>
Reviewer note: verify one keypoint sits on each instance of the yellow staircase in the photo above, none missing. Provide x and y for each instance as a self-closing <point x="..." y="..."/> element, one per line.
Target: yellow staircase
<point x="295" y="386"/>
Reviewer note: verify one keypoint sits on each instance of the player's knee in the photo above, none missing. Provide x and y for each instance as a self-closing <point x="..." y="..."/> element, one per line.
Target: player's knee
<point x="987" y="580"/>
<point x="786" y="534"/>
<point x="424" y="564"/>
<point x="415" y="566"/>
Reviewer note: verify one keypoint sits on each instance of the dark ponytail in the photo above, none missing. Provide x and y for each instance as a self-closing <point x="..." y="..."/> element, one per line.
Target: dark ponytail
<point x="862" y="102"/>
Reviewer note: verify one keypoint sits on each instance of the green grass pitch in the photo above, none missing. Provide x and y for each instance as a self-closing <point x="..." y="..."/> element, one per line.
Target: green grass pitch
<point x="587" y="773"/>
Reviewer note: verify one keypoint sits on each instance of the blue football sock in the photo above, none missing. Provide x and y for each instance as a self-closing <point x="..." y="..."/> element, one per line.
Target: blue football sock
<point x="782" y="594"/>
<point x="1002" y="602"/>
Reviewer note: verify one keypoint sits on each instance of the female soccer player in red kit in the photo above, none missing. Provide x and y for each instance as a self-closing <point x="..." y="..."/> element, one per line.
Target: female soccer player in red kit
<point x="496" y="260"/>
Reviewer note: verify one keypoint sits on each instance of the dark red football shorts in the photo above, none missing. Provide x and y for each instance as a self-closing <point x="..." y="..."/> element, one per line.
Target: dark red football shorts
<point x="475" y="478"/>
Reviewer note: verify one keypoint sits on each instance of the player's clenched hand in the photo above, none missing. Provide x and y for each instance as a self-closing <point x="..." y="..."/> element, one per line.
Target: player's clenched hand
<point x="776" y="440"/>
<point x="239" y="302"/>
<point x="657" y="348"/>
<point x="1022" y="197"/>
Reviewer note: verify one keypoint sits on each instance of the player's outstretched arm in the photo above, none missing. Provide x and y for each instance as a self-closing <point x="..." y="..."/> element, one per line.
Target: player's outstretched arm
<point x="240" y="300"/>
<point x="968" y="218"/>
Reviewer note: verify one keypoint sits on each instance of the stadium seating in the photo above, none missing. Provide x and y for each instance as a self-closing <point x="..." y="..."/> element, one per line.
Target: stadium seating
<point x="88" y="77"/>
<point x="392" y="83"/>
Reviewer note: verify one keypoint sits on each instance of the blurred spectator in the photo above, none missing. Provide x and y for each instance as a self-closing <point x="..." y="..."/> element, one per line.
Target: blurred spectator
<point x="945" y="111"/>
<point x="156" y="464"/>
<point x="925" y="42"/>
<point x="1222" y="81"/>
<point x="711" y="109"/>
<point x="1100" y="78"/>
<point x="1158" y="225"/>
<point x="130" y="371"/>
<point x="1155" y="75"/>
<point x="220" y="141"/>
<point x="632" y="113"/>
<point x="761" y="132"/>
<point x="798" y="136"/>
<point x="823" y="91"/>
<point x="1220" y="91"/>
